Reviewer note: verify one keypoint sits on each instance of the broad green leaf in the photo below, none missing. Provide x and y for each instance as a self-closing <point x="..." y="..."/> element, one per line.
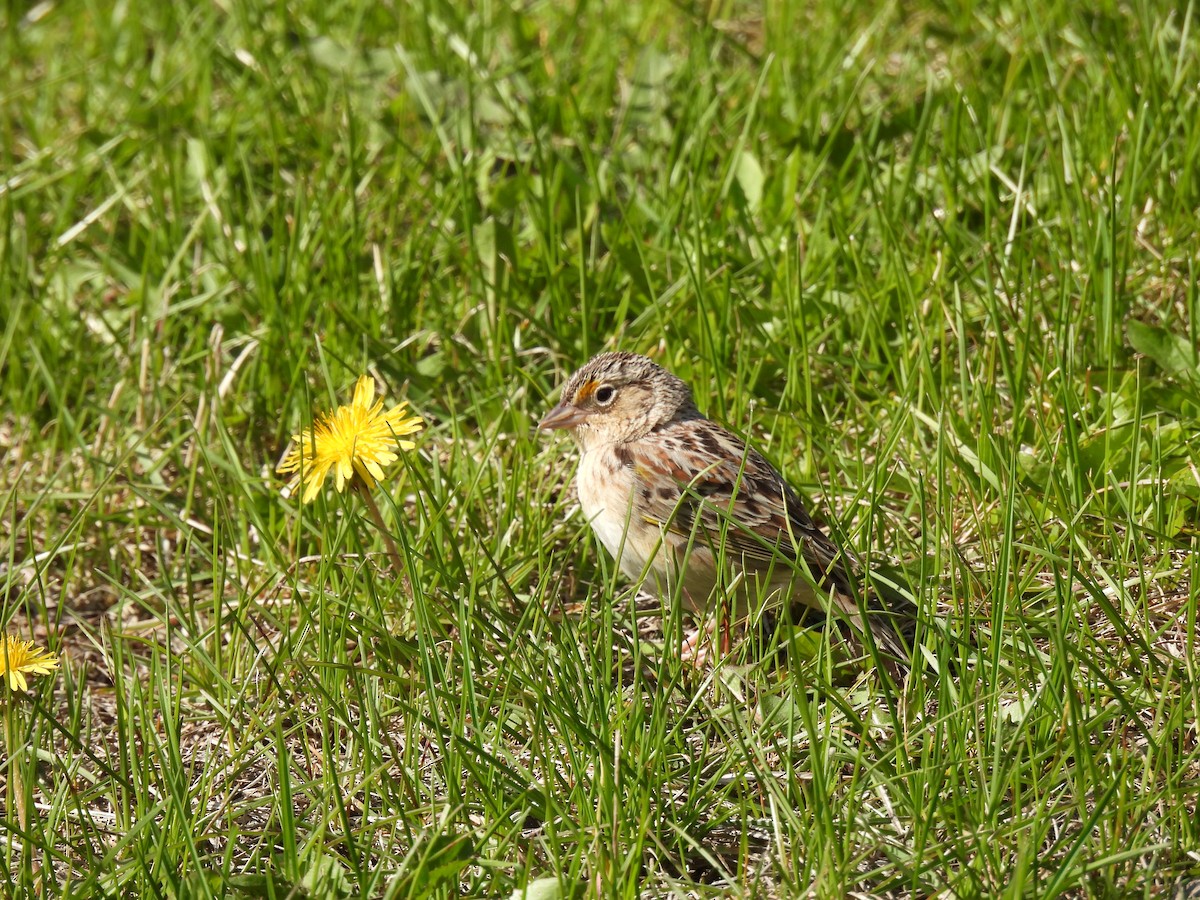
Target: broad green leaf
<point x="545" y="889"/>
<point x="325" y="878"/>
<point x="1171" y="352"/>
<point x="750" y="179"/>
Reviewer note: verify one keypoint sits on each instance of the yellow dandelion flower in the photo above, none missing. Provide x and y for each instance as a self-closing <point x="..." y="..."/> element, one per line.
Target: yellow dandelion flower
<point x="357" y="439"/>
<point x="19" y="658"/>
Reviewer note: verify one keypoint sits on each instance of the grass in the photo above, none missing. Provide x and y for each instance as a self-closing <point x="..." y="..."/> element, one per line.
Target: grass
<point x="939" y="259"/>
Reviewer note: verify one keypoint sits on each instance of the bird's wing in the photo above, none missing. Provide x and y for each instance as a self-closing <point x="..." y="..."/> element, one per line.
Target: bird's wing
<point x="705" y="480"/>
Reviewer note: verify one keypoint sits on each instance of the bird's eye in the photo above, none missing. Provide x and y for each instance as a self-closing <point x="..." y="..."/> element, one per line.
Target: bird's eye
<point x="605" y="395"/>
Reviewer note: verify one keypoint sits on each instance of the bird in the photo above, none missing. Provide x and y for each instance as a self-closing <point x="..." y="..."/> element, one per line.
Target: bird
<point x="676" y="497"/>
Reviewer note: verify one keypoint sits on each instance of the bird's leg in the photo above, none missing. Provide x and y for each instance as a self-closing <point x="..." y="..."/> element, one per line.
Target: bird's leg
<point x="698" y="643"/>
<point x="692" y="650"/>
<point x="710" y="637"/>
<point x="726" y="640"/>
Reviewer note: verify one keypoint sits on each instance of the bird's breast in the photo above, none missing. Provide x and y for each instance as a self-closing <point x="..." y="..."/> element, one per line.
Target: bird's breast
<point x="606" y="493"/>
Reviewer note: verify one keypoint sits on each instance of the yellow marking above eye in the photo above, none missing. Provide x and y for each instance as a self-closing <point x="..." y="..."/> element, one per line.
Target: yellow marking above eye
<point x="586" y="391"/>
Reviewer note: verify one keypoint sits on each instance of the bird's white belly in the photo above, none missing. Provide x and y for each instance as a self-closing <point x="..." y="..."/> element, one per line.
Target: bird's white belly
<point x="605" y="495"/>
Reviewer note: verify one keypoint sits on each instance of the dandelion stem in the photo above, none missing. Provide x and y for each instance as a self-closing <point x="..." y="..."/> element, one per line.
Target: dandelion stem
<point x="388" y="540"/>
<point x="15" y="800"/>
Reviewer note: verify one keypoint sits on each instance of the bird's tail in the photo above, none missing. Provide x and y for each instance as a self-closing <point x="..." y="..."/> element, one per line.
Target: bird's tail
<point x="880" y="603"/>
<point x="895" y="618"/>
<point x="892" y="614"/>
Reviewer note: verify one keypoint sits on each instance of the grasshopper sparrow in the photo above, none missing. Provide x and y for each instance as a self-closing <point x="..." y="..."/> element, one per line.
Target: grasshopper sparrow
<point x="673" y="495"/>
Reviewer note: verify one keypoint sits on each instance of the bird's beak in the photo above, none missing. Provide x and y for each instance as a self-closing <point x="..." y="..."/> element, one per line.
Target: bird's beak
<point x="562" y="416"/>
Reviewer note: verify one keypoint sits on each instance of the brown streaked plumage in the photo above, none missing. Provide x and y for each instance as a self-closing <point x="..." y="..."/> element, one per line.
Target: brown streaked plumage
<point x="671" y="494"/>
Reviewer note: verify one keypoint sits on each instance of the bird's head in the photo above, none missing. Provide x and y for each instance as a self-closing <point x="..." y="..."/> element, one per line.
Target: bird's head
<point x="616" y="398"/>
